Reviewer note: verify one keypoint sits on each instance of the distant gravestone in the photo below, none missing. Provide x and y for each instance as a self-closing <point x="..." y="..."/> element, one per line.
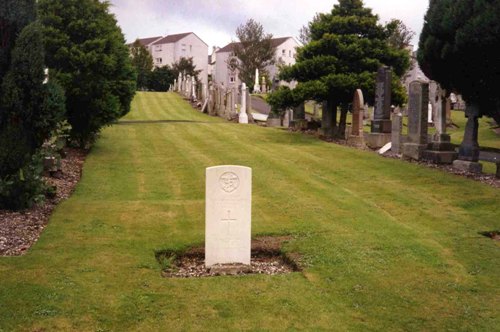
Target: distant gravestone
<point x="417" y="120"/>
<point x="397" y="129"/>
<point x="440" y="150"/>
<point x="243" y="117"/>
<point x="380" y="133"/>
<point x="228" y="215"/>
<point x="382" y="114"/>
<point x="358" y="105"/>
<point x="468" y="153"/>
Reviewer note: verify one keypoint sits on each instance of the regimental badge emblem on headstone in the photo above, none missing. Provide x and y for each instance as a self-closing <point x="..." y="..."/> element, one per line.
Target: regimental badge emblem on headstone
<point x="229" y="182"/>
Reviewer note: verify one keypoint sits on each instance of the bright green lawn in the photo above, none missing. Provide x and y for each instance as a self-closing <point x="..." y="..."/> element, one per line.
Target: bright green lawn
<point x="386" y="245"/>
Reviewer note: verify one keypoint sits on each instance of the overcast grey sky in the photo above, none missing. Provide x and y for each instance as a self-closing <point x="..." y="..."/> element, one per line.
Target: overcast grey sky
<point x="216" y="21"/>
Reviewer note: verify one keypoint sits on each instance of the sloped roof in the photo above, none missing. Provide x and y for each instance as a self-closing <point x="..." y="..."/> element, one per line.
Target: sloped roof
<point x="278" y="41"/>
<point x="147" y="41"/>
<point x="175" y="38"/>
<point x="275" y="42"/>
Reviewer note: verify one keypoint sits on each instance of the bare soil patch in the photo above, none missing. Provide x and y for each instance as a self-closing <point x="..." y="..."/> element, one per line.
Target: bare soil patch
<point x="267" y="258"/>
<point x="494" y="235"/>
<point x="20" y="230"/>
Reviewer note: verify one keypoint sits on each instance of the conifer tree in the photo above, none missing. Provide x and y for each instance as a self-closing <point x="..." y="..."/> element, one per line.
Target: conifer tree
<point x="29" y="109"/>
<point x="87" y="53"/>
<point x="456" y="49"/>
<point x="345" y="49"/>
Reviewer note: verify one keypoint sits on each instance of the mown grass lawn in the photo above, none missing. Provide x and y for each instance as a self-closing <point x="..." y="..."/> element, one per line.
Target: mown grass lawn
<point x="385" y="245"/>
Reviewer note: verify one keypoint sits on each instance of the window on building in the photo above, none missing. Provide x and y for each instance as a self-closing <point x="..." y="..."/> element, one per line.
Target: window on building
<point x="158" y="48"/>
<point x="183" y="47"/>
<point x="159" y="61"/>
<point x="290" y="54"/>
<point x="283" y="52"/>
<point x="232" y="79"/>
<point x="190" y="48"/>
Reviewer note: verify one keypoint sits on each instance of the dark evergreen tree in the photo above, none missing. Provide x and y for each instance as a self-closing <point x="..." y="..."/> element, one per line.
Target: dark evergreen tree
<point x="143" y="63"/>
<point x="14" y="16"/>
<point x="160" y="79"/>
<point x="29" y="109"/>
<point x="346" y="48"/>
<point x="86" y="51"/>
<point x="456" y="49"/>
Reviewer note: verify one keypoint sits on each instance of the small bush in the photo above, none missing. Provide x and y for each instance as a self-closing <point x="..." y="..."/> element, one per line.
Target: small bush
<point x="24" y="188"/>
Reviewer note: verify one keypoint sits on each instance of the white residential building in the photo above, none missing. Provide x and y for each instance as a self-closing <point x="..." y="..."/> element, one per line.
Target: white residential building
<point x="170" y="49"/>
<point x="284" y="54"/>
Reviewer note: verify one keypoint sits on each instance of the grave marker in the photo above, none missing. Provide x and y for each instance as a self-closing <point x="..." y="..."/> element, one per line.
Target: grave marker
<point x="417" y="120"/>
<point x="380" y="133"/>
<point x="228" y="215"/>
<point x="358" y="106"/>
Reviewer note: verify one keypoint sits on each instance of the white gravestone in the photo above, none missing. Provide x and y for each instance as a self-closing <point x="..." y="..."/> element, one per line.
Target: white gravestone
<point x="228" y="211"/>
<point x="243" y="117"/>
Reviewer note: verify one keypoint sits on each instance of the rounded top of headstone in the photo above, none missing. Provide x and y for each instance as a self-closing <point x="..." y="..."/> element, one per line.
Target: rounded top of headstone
<point x="229" y="166"/>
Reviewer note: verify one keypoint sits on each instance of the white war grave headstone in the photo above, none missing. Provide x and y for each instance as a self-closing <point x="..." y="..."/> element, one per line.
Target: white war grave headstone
<point x="228" y="211"/>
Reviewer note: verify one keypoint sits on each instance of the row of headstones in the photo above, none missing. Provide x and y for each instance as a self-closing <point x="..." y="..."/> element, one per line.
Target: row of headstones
<point x="417" y="144"/>
<point x="187" y="86"/>
<point x="224" y="102"/>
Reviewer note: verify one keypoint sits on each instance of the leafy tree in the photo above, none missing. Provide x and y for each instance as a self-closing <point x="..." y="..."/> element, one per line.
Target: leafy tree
<point x="186" y="67"/>
<point x="161" y="78"/>
<point x="143" y="63"/>
<point x="29" y="109"/>
<point x="254" y="51"/>
<point x="347" y="47"/>
<point x="86" y="52"/>
<point x="456" y="49"/>
<point x="400" y="35"/>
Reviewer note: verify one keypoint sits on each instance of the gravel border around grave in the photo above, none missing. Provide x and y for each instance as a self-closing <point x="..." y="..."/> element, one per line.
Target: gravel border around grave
<point x="20" y="230"/>
<point x="267" y="258"/>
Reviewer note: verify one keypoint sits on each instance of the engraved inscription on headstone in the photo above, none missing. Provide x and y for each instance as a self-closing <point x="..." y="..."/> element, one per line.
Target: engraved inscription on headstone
<point x="379" y="101"/>
<point x="228" y="215"/>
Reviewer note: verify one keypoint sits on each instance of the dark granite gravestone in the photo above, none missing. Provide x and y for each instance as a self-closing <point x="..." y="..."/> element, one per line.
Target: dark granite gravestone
<point x="468" y="153"/>
<point x="382" y="114"/>
<point x="380" y="133"/>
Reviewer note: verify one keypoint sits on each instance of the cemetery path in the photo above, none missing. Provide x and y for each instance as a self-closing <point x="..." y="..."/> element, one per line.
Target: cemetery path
<point x="260" y="105"/>
<point x="384" y="245"/>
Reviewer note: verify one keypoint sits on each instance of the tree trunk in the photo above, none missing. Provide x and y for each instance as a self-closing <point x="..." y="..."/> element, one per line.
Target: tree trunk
<point x="342" y="122"/>
<point x="329" y="118"/>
